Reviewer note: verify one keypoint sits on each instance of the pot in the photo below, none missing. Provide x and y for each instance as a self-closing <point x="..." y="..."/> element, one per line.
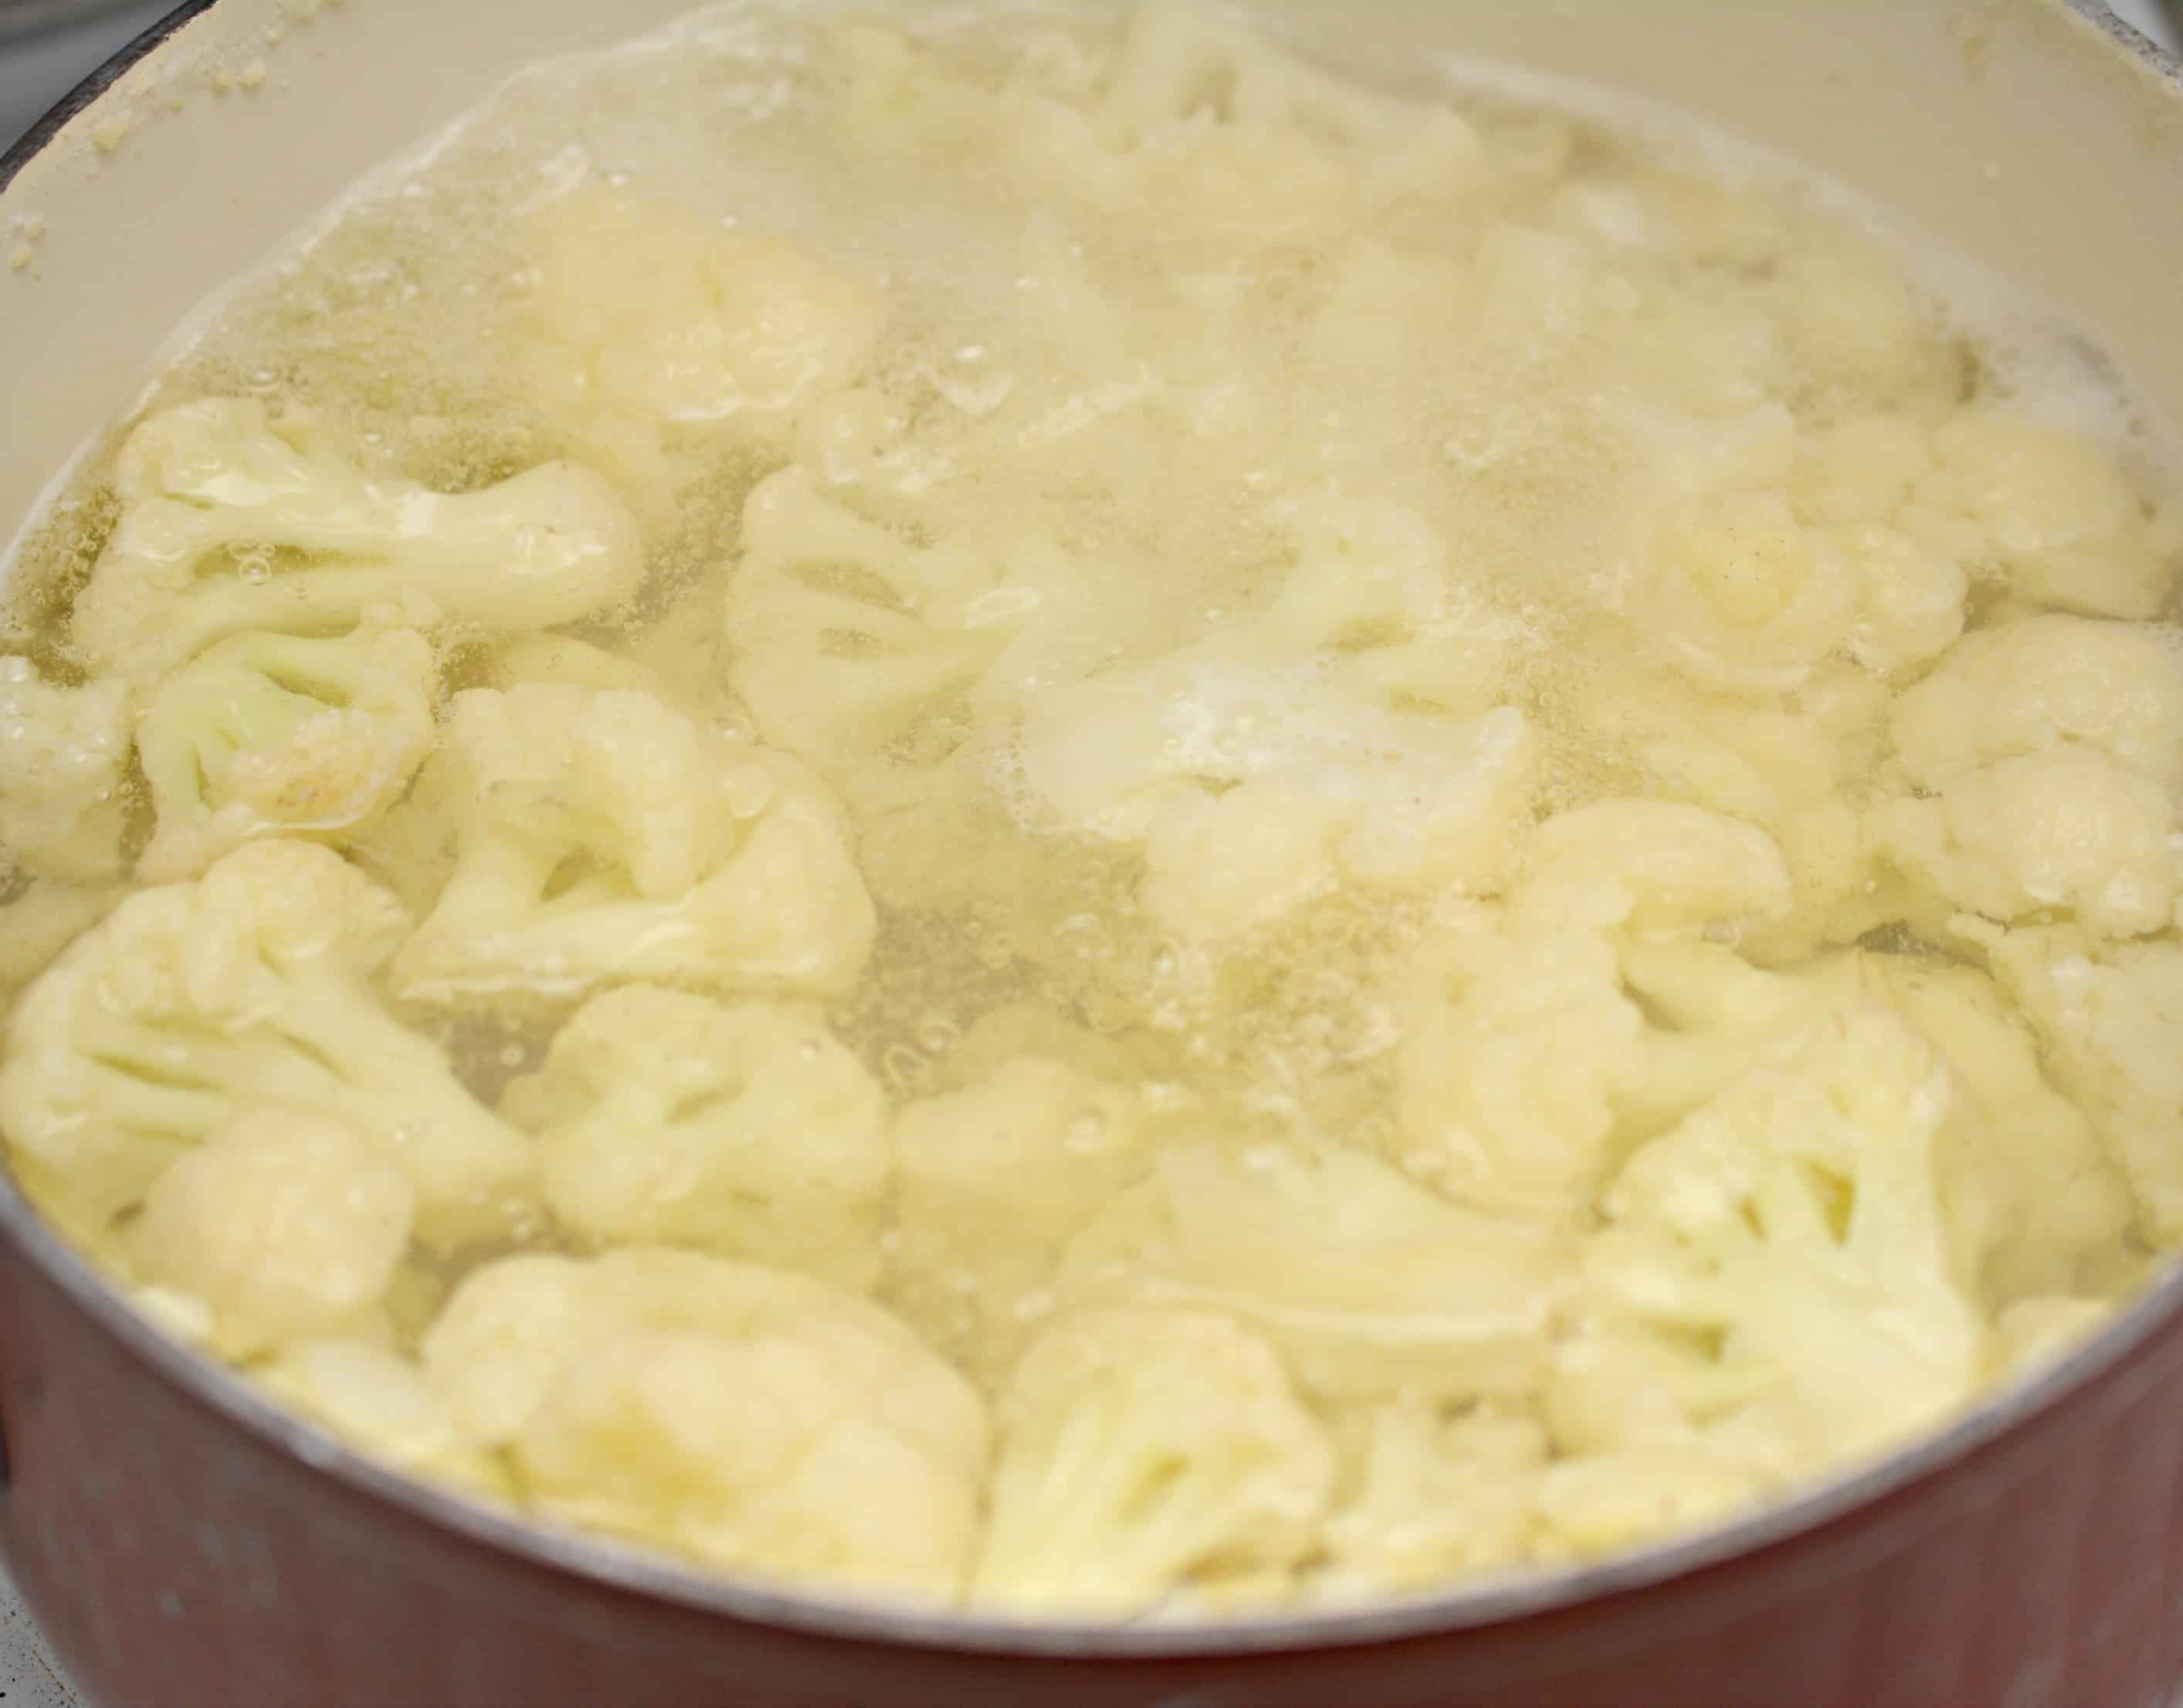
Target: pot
<point x="183" y="1543"/>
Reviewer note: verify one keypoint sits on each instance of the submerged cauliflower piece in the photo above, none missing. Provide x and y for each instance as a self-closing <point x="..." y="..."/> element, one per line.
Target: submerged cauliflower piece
<point x="2062" y="832"/>
<point x="193" y="1005"/>
<point x="753" y="1418"/>
<point x="285" y="1228"/>
<point x="2109" y="1015"/>
<point x="745" y="1129"/>
<point x="1349" y="730"/>
<point x="2035" y="1205"/>
<point x="1795" y="1222"/>
<point x="1283" y="153"/>
<point x="1435" y="1495"/>
<point x="991" y="1182"/>
<point x="1649" y="868"/>
<point x="1530" y="1058"/>
<point x="232" y="521"/>
<point x="1367" y="1283"/>
<point x="1795" y="768"/>
<point x="1513" y="1049"/>
<point x="2050" y="513"/>
<point x="64" y="752"/>
<point x="602" y="836"/>
<point x="380" y="1404"/>
<point x="1595" y="1006"/>
<point x="267" y="734"/>
<point x="860" y="650"/>
<point x="2040" y="762"/>
<point x="1735" y="593"/>
<point x="649" y="323"/>
<point x="2113" y="691"/>
<point x="1144" y="1454"/>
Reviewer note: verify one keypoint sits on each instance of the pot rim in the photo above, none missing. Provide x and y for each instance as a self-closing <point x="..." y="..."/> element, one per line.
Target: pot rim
<point x="1501" y="1601"/>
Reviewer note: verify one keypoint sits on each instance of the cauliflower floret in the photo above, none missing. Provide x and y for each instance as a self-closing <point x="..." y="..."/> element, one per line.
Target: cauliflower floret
<point x="63" y="753"/>
<point x="602" y="836"/>
<point x="1196" y="123"/>
<point x="1367" y="1282"/>
<point x="1384" y="797"/>
<point x="2057" y="832"/>
<point x="1218" y="866"/>
<point x="751" y="1417"/>
<point x="194" y="1004"/>
<point x="1512" y="1052"/>
<point x="270" y="734"/>
<point x="231" y="521"/>
<point x="849" y="644"/>
<point x="1649" y="868"/>
<point x="748" y="1130"/>
<point x="380" y="1404"/>
<point x="1794" y="770"/>
<point x="2035" y="1204"/>
<point x="1529" y="1056"/>
<point x="1261" y="763"/>
<point x="1910" y="598"/>
<point x="992" y="1182"/>
<point x="1436" y="1497"/>
<point x="1860" y="471"/>
<point x="649" y="321"/>
<point x="1146" y="1453"/>
<point x="2114" y="688"/>
<point x="2050" y="513"/>
<point x="284" y="1227"/>
<point x="1855" y="324"/>
<point x="2109" y="1014"/>
<point x="1731" y="590"/>
<point x="1798" y="1217"/>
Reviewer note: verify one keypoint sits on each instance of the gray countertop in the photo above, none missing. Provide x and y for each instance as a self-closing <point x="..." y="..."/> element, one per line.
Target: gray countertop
<point x="34" y="74"/>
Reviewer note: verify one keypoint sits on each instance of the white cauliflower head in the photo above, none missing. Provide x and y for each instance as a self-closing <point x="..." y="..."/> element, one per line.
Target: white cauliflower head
<point x="1349" y="730"/>
<point x="1367" y="1283"/>
<point x="64" y="752"/>
<point x="753" y="1418"/>
<point x="232" y="522"/>
<point x="192" y="1005"/>
<point x="2112" y="688"/>
<point x="2035" y="1205"/>
<point x="1513" y="1047"/>
<point x="1145" y="1453"/>
<point x="648" y="324"/>
<point x="603" y="836"/>
<point x="1649" y="868"/>
<point x="991" y="1182"/>
<point x="744" y="1129"/>
<point x="2064" y="832"/>
<point x="1797" y="1221"/>
<point x="266" y="735"/>
<point x="1530" y="1059"/>
<point x="855" y="647"/>
<point x="2047" y="512"/>
<point x="286" y="1227"/>
<point x="1731" y="591"/>
<point x="1290" y="154"/>
<point x="2109" y="1014"/>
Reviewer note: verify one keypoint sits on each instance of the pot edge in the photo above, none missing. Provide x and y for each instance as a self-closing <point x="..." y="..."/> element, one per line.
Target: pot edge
<point x="638" y="1571"/>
